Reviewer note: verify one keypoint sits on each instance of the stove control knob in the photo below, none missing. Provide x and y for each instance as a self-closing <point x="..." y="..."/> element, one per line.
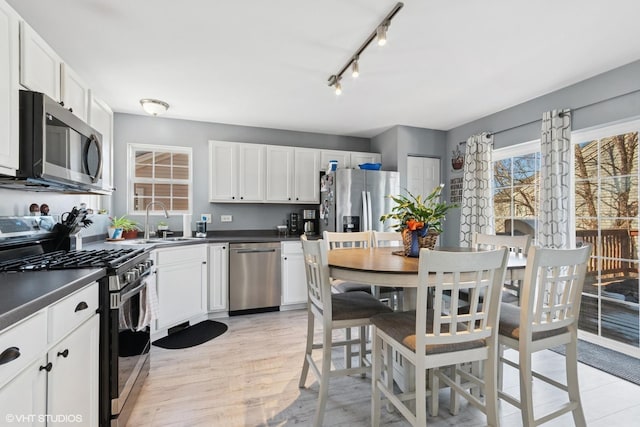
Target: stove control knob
<point x="148" y="263"/>
<point x="132" y="275"/>
<point x="141" y="268"/>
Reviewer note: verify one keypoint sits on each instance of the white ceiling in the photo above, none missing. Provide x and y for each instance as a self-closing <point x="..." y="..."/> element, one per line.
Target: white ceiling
<point x="266" y="63"/>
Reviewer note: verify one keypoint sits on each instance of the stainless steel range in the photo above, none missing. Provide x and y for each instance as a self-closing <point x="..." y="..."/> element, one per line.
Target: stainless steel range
<point x="124" y="331"/>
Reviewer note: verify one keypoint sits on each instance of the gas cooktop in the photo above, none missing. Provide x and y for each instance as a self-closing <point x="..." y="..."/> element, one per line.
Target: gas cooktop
<point x="60" y="260"/>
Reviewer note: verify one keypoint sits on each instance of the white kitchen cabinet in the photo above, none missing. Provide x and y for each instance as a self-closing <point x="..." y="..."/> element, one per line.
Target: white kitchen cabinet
<point x="74" y="93"/>
<point x="72" y="383"/>
<point x="56" y="372"/>
<point x="39" y="63"/>
<point x="343" y="158"/>
<point x="181" y="281"/>
<point x="9" y="86"/>
<point x="423" y="174"/>
<point x="280" y="174"/>
<point x="218" y="277"/>
<point x="307" y="175"/>
<point x="360" y="158"/>
<point x="236" y="172"/>
<point x="101" y="119"/>
<point x="294" y="283"/>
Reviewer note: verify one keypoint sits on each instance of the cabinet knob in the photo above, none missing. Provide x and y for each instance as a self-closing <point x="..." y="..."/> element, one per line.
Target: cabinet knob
<point x="11" y="353"/>
<point x="233" y="197"/>
<point x="289" y="198"/>
<point x="70" y="110"/>
<point x="297" y="198"/>
<point x="61" y="103"/>
<point x="242" y="198"/>
<point x="285" y="258"/>
<point x="46" y="367"/>
<point x="64" y="353"/>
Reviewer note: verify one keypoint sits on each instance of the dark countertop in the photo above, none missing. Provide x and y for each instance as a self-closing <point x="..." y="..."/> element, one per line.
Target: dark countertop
<point x="24" y="293"/>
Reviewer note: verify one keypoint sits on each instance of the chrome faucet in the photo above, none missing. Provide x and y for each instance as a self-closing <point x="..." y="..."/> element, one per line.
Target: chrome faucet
<point x="146" y="217"/>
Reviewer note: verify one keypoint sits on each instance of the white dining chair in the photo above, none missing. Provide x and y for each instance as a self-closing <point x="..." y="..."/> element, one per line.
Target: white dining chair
<point x="358" y="239"/>
<point x="547" y="317"/>
<point x="383" y="239"/>
<point x="441" y="336"/>
<point x="333" y="311"/>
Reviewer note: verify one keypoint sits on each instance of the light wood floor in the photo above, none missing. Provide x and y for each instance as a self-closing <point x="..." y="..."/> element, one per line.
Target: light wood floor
<point x="249" y="377"/>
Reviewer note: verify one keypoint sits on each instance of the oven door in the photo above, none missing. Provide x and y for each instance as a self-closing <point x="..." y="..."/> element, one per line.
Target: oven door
<point x="129" y="343"/>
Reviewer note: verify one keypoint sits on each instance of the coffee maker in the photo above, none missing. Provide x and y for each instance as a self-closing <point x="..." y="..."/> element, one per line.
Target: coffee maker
<point x="310" y="222"/>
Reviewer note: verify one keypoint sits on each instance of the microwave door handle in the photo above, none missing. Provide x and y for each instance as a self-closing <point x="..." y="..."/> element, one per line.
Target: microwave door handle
<point x="93" y="139"/>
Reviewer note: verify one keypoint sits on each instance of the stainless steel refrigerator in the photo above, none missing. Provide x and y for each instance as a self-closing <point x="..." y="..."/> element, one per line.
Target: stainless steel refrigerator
<point x="354" y="199"/>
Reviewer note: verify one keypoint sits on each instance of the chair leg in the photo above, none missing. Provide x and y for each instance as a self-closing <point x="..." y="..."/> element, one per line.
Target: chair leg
<point x="571" y="359"/>
<point x="491" y="386"/>
<point x="526" y="388"/>
<point x="434" y="385"/>
<point x="347" y="349"/>
<point x="324" y="376"/>
<point x="376" y="374"/>
<point x="454" y="397"/>
<point x="308" y="349"/>
<point x="363" y="348"/>
<point x="421" y="394"/>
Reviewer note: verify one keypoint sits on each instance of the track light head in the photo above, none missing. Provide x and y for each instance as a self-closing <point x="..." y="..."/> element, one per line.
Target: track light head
<point x="382" y="34"/>
<point x="355" y="68"/>
<point x="338" y="87"/>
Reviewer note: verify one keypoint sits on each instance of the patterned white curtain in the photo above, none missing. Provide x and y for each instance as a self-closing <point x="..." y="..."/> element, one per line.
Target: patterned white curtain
<point x="476" y="213"/>
<point x="555" y="179"/>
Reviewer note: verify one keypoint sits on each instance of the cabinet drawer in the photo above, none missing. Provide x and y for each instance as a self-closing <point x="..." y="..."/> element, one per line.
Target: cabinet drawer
<point x="291" y="248"/>
<point x="69" y="313"/>
<point x="182" y="255"/>
<point x="28" y="338"/>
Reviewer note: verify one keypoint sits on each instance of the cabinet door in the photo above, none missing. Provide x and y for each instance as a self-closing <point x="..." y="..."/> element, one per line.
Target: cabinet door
<point x="343" y="158"/>
<point x="9" y="86"/>
<point x="74" y="93"/>
<point x="181" y="283"/>
<point x="218" y="277"/>
<point x="101" y="119"/>
<point x="307" y="175"/>
<point x="251" y="172"/>
<point x="25" y="397"/>
<point x="279" y="174"/>
<point x="223" y="171"/>
<point x="423" y="174"/>
<point x="360" y="158"/>
<point x="72" y="385"/>
<point x="39" y="64"/>
<point x="294" y="285"/>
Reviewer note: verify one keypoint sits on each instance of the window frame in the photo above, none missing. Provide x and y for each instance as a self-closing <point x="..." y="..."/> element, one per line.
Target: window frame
<point x="132" y="148"/>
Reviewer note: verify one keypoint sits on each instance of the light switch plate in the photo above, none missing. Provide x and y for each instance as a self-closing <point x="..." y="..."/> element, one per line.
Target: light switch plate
<point x="226" y="218"/>
<point x="206" y="218"/>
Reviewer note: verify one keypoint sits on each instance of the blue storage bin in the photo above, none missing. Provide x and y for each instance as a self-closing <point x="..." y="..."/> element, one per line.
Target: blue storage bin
<point x="371" y="166"/>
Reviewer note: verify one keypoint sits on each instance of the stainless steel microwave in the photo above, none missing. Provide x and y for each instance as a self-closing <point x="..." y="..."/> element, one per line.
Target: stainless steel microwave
<point x="57" y="149"/>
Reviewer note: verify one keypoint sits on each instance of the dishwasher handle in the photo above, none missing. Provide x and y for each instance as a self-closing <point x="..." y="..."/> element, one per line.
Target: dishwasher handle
<point x="252" y="251"/>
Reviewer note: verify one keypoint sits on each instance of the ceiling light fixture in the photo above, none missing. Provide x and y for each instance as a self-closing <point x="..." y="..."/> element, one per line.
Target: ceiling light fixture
<point x="380" y="33"/>
<point x="155" y="107"/>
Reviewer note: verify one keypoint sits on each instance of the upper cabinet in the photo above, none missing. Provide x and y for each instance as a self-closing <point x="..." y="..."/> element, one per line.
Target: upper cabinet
<point x="306" y="175"/>
<point x="101" y="119"/>
<point x="74" y="92"/>
<point x="279" y="178"/>
<point x="39" y="64"/>
<point x="236" y="172"/>
<point x="9" y="86"/>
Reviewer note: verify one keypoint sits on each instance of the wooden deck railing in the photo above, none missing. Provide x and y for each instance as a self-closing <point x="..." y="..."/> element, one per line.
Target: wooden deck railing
<point x="613" y="248"/>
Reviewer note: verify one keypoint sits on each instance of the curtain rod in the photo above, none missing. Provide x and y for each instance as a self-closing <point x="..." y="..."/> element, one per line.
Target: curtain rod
<point x="571" y="111"/>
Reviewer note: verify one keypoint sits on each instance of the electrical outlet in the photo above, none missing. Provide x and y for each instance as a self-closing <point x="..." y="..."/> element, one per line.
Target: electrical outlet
<point x="226" y="218"/>
<point x="206" y="218"/>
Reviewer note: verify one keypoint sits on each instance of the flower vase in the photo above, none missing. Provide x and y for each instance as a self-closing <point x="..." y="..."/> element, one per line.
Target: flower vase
<point x="412" y="241"/>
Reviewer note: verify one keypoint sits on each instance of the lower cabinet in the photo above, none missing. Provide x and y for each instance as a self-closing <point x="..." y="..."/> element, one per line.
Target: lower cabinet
<point x="53" y="381"/>
<point x="218" y="277"/>
<point x="181" y="280"/>
<point x="294" y="282"/>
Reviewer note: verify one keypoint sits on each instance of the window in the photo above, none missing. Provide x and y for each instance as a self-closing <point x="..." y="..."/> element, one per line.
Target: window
<point x="516" y="189"/>
<point x="159" y="174"/>
<point x="606" y="216"/>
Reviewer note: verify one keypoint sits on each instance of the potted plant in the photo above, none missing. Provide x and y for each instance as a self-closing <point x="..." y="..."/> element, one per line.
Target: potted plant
<point x="419" y="219"/>
<point x="128" y="226"/>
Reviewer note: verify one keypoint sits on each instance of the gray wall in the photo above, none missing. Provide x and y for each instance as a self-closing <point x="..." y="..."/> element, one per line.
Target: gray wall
<point x="608" y="98"/>
<point x="130" y="128"/>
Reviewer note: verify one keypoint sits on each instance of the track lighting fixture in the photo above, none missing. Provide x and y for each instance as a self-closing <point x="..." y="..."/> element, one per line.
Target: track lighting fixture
<point x="380" y="33"/>
<point x="355" y="68"/>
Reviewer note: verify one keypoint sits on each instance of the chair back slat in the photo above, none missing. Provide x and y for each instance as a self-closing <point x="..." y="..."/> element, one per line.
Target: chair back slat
<point x="442" y="276"/>
<point x="359" y="239"/>
<point x="518" y="244"/>
<point x="383" y="239"/>
<point x="552" y="289"/>
<point x="317" y="274"/>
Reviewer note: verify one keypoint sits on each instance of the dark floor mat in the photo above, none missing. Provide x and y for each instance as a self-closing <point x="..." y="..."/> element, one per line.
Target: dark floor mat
<point x="192" y="335"/>
<point x="607" y="360"/>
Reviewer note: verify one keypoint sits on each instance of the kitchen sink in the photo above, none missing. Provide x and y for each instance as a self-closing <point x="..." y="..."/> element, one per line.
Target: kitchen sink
<point x="157" y="240"/>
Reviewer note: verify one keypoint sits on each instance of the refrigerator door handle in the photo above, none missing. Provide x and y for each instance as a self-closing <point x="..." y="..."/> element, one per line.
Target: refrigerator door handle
<point x="365" y="217"/>
<point x="369" y="219"/>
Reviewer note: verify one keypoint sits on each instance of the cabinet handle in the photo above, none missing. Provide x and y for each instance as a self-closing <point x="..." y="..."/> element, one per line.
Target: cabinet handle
<point x="297" y="198"/>
<point x="233" y="197"/>
<point x="70" y="110"/>
<point x="242" y="198"/>
<point x="46" y="367"/>
<point x="81" y="306"/>
<point x="64" y="353"/>
<point x="61" y="103"/>
<point x="12" y="353"/>
<point x="285" y="258"/>
<point x="204" y="262"/>
<point x="224" y="247"/>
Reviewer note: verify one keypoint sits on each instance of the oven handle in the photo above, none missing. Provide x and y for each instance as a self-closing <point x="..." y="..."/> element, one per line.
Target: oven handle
<point x="134" y="291"/>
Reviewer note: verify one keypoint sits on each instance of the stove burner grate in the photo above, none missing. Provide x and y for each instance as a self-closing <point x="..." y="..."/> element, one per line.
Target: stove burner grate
<point x="60" y="260"/>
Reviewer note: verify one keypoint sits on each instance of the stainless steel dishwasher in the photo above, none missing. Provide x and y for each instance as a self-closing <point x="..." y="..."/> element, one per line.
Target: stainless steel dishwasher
<point x="254" y="277"/>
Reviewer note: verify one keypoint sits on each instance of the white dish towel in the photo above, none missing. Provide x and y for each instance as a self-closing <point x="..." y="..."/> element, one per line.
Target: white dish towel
<point x="148" y="304"/>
